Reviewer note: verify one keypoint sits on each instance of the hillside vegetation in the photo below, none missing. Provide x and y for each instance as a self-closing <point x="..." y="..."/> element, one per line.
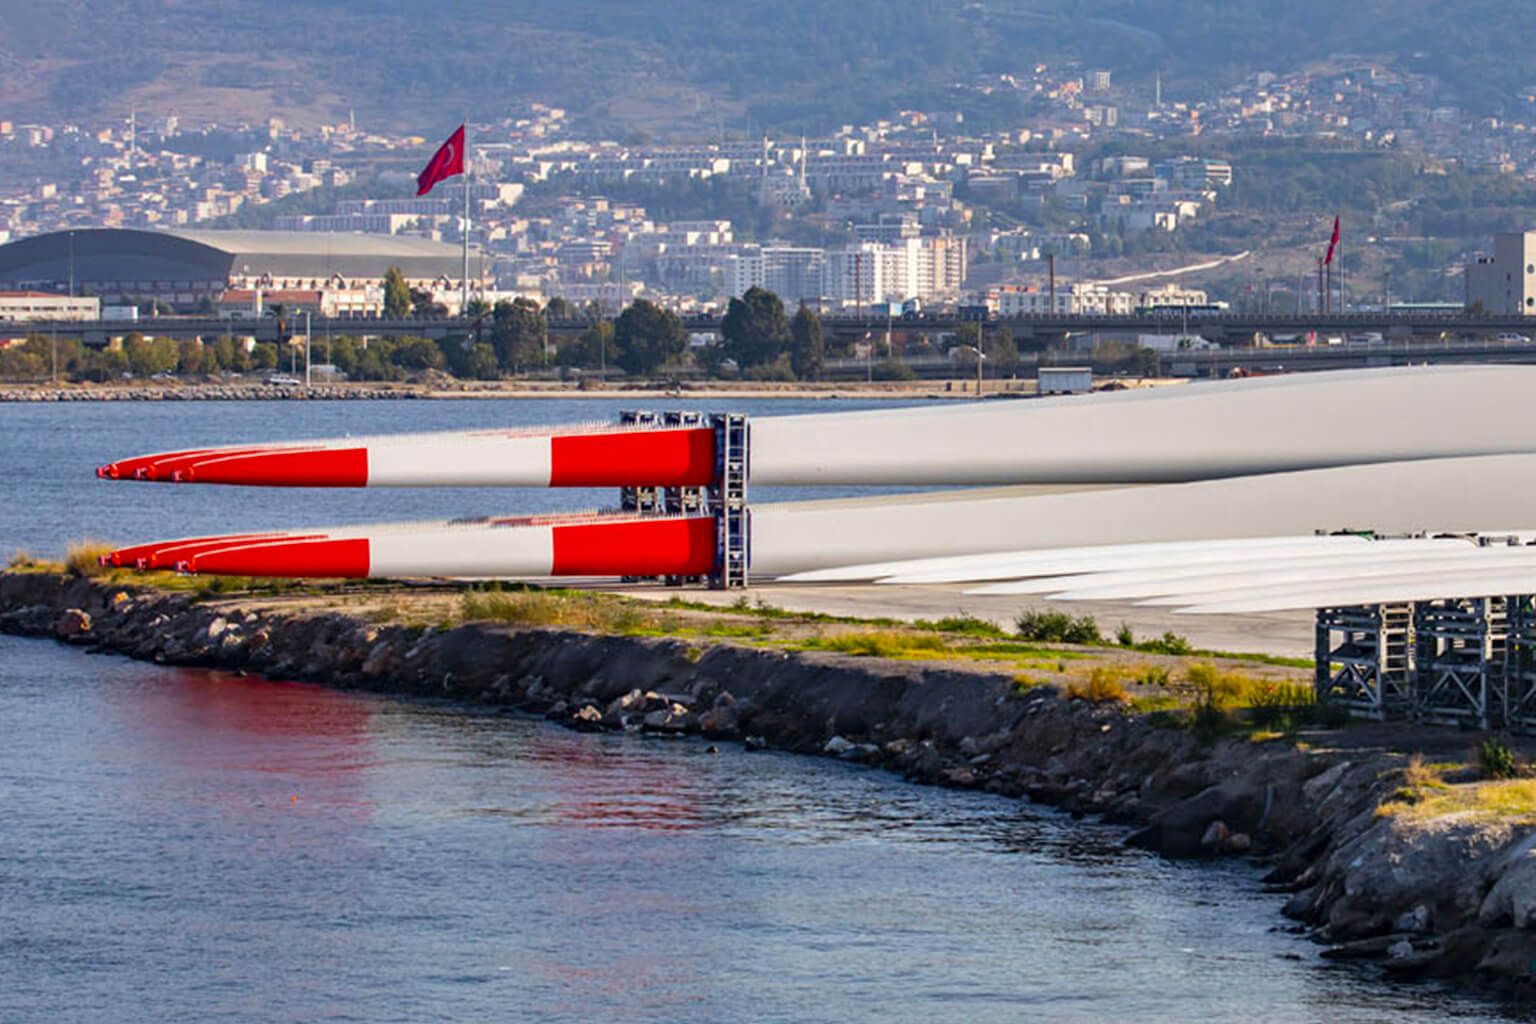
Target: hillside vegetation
<point x="646" y="65"/>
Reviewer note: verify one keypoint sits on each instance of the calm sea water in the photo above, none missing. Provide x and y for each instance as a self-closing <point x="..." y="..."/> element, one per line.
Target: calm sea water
<point x="188" y="846"/>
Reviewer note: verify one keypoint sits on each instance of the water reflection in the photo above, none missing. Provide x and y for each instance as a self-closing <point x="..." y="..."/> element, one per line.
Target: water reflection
<point x="440" y="864"/>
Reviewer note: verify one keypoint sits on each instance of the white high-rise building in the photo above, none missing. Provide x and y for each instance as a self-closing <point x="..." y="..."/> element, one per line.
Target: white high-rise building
<point x="931" y="268"/>
<point x="793" y="273"/>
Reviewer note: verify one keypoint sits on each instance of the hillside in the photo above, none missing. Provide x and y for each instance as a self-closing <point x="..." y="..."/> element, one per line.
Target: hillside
<point x="641" y="65"/>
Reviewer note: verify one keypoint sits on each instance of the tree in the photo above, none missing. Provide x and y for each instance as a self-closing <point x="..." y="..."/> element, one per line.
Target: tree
<point x="189" y="356"/>
<point x="1002" y="352"/>
<point x="149" y="356"/>
<point x="482" y="364"/>
<point x="807" y="350"/>
<point x="397" y="294"/>
<point x="344" y="353"/>
<point x="418" y="354"/>
<point x="518" y="333"/>
<point x="755" y="329"/>
<point x="646" y="336"/>
<point x="558" y="309"/>
<point x="593" y="348"/>
<point x="262" y="357"/>
<point x="226" y="355"/>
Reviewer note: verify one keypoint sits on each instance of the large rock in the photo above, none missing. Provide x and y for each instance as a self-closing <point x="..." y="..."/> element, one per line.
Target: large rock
<point x="674" y="718"/>
<point x="1513" y="896"/>
<point x="72" y="623"/>
<point x="722" y="721"/>
<point x="1397" y="866"/>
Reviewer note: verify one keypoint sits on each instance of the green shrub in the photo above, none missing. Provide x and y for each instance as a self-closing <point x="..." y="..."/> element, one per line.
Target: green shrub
<point x="1496" y="759"/>
<point x="966" y="625"/>
<point x="1124" y="637"/>
<point x="1057" y="627"/>
<point x="1168" y="643"/>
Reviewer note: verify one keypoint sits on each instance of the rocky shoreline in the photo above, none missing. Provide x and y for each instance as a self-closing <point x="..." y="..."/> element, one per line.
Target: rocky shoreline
<point x="1450" y="898"/>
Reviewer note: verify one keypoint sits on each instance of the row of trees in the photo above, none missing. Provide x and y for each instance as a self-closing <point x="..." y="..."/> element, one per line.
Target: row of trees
<point x="759" y="340"/>
<point x="39" y="356"/>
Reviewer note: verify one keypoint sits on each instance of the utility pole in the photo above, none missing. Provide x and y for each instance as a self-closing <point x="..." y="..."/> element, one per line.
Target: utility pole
<point x="1050" y="262"/>
<point x="308" y="379"/>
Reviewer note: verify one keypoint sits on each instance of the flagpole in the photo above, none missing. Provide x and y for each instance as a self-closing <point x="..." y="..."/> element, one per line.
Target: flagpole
<point x="464" y="282"/>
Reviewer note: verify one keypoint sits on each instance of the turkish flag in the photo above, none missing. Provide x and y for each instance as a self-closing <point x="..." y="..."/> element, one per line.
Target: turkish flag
<point x="445" y="163"/>
<point x="1333" y="243"/>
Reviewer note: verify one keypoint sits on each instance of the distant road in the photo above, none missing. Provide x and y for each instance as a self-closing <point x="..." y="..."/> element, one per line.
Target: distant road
<point x="1178" y="271"/>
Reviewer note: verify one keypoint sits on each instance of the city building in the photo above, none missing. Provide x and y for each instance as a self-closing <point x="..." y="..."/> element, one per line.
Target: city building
<point x="794" y="273"/>
<point x="1070" y="300"/>
<point x="1505" y="282"/>
<point x="192" y="269"/>
<point x="32" y="305"/>
<point x="1173" y="295"/>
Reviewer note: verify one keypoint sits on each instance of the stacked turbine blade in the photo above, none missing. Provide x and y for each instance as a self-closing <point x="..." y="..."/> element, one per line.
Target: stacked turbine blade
<point x="1215" y="475"/>
<point x="518" y="547"/>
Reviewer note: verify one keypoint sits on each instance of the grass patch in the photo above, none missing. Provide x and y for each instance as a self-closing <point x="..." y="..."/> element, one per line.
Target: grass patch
<point x="554" y="609"/>
<point x="742" y="630"/>
<point x="22" y="561"/>
<point x="83" y="557"/>
<point x="879" y="645"/>
<point x="1023" y="684"/>
<point x="1226" y="689"/>
<point x="1501" y="800"/>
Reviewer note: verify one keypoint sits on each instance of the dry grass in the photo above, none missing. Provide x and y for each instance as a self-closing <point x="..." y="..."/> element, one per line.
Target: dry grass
<point x="1105" y="685"/>
<point x="562" y="609"/>
<point x="1511" y="800"/>
<point x="23" y="561"/>
<point x="873" y="644"/>
<point x="83" y="557"/>
<point x="1223" y="689"/>
<point x="1420" y="775"/>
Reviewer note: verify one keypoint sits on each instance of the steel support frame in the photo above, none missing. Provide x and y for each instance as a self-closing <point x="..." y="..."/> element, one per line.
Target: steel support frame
<point x="725" y="498"/>
<point x="728" y="498"/>
<point x="1365" y="660"/>
<point x="1517" y="689"/>
<point x="1459" y="660"/>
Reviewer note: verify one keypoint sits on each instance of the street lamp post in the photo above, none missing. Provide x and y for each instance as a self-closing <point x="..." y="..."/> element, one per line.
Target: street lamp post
<point x="980" y="355"/>
<point x="307" y="360"/>
<point x="981" y="338"/>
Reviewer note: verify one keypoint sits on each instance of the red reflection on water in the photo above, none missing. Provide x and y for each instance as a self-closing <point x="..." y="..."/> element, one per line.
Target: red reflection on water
<point x="608" y="788"/>
<point x="251" y="742"/>
<point x="256" y="707"/>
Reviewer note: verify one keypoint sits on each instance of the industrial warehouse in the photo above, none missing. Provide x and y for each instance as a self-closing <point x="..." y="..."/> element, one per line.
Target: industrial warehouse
<point x="194" y="271"/>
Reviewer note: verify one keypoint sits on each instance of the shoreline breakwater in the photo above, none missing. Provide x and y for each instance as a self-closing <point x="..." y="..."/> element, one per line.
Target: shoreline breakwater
<point x="1448" y="897"/>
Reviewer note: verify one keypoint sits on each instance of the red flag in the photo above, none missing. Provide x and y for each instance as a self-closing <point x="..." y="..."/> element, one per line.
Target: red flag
<point x="445" y="163"/>
<point x="1333" y="243"/>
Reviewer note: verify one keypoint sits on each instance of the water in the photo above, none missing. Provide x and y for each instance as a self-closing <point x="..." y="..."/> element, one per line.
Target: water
<point x="186" y="846"/>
